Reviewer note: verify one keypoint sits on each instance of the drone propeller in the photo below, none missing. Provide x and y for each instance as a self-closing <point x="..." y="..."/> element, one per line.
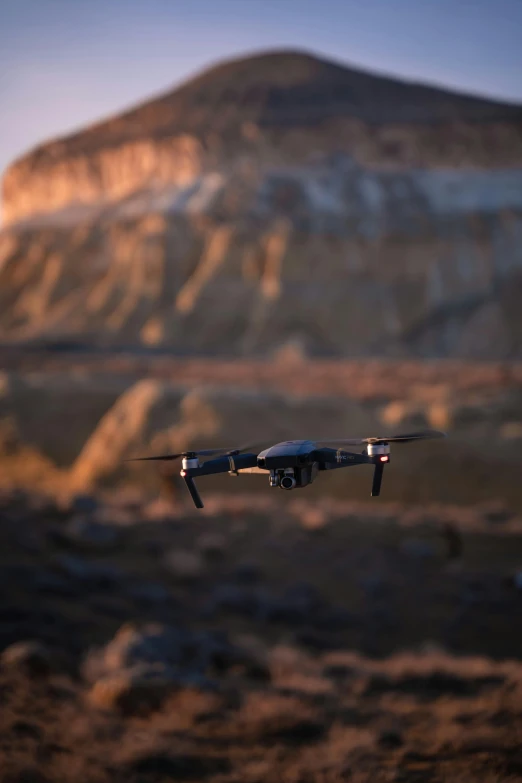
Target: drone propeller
<point x="406" y="438"/>
<point x="189" y="480"/>
<point x="191" y="454"/>
<point x="379" y="454"/>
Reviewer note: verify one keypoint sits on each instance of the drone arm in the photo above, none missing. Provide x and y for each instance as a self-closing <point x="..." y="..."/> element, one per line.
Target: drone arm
<point x="330" y="459"/>
<point x="219" y="465"/>
<point x="224" y="465"/>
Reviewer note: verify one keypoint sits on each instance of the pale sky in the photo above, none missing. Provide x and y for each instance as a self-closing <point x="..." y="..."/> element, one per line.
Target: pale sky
<point x="67" y="63"/>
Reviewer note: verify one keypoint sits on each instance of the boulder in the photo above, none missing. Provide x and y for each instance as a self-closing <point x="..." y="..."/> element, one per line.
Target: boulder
<point x="30" y="657"/>
<point x="152" y="644"/>
<point x="141" y="664"/>
<point x="84" y="504"/>
<point x="184" y="565"/>
<point x="135" y="690"/>
<point x="84" y="532"/>
<point x="212" y="544"/>
<point x="82" y="570"/>
<point x="417" y="548"/>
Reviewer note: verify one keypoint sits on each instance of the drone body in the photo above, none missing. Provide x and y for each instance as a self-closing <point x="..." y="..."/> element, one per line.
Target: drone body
<point x="292" y="464"/>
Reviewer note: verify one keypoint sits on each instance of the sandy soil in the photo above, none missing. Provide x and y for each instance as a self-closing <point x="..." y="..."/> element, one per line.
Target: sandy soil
<point x="378" y="648"/>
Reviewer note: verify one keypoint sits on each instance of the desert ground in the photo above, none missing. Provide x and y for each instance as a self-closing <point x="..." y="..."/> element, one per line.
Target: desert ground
<point x="253" y="641"/>
<point x="308" y="637"/>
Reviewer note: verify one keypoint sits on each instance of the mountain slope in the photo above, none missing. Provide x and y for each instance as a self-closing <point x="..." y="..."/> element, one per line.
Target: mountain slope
<point x="281" y="90"/>
<point x="274" y="199"/>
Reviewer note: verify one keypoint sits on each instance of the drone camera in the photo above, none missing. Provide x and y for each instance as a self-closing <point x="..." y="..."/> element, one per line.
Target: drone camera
<point x="288" y="482"/>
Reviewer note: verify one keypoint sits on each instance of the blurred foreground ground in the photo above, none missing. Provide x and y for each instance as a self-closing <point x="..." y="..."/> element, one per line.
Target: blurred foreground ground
<point x="255" y="643"/>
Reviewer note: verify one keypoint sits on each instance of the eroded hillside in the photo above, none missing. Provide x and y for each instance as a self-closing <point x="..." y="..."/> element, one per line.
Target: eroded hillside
<point x="253" y="207"/>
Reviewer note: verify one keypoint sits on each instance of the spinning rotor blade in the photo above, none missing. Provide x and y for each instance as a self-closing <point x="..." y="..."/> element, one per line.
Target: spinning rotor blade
<point x="189" y="453"/>
<point x="253" y="447"/>
<point x="149" y="459"/>
<point x="406" y="438"/>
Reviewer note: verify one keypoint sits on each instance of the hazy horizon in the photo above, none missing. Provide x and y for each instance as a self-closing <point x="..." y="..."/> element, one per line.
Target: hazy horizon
<point x="63" y="67"/>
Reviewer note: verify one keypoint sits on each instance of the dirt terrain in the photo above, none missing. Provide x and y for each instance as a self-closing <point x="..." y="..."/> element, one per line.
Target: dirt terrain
<point x="71" y="419"/>
<point x="255" y="642"/>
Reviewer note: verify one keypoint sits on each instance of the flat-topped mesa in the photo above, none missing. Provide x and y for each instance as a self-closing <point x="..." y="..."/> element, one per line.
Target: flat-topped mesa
<point x="274" y="108"/>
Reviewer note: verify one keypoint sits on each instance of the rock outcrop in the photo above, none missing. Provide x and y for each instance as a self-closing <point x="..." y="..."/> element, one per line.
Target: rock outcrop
<point x="275" y="200"/>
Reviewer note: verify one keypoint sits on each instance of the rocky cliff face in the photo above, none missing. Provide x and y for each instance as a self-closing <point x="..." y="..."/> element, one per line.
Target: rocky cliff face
<point x="278" y="199"/>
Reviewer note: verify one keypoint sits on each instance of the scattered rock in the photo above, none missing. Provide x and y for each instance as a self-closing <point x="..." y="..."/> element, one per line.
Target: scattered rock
<point x="116" y="517"/>
<point x="159" y="510"/>
<point x="453" y="540"/>
<point x="139" y="660"/>
<point x="184" y="565"/>
<point x="27" y="774"/>
<point x="339" y="672"/>
<point x="415" y="547"/>
<point x="299" y="731"/>
<point x="152" y="644"/>
<point x="49" y="582"/>
<point x="30" y="540"/>
<point x="517" y="580"/>
<point x="88" y="534"/>
<point x="178" y="649"/>
<point x="496" y="513"/>
<point x="316" y="640"/>
<point x="149" y="592"/>
<point x="31" y="657"/>
<point x="432" y="685"/>
<point x="511" y="430"/>
<point x="135" y="690"/>
<point x="313" y="519"/>
<point x="390" y="739"/>
<point x="247" y="573"/>
<point x="180" y="767"/>
<point x="82" y="570"/>
<point x="298" y="604"/>
<point x="212" y="544"/>
<point x="43" y="505"/>
<point x="373" y="585"/>
<point x="25" y="729"/>
<point x="84" y="504"/>
<point x="336" y="618"/>
<point x="232" y="598"/>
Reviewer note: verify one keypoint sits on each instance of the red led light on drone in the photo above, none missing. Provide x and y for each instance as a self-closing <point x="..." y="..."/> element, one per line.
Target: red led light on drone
<point x="384" y="459"/>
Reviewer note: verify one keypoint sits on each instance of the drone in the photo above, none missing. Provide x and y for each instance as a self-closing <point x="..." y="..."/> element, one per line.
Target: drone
<point x="292" y="464"/>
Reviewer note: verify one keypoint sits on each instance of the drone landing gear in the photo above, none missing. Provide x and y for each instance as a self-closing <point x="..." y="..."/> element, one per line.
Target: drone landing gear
<point x="381" y="453"/>
<point x="377" y="479"/>
<point x="191" y="486"/>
